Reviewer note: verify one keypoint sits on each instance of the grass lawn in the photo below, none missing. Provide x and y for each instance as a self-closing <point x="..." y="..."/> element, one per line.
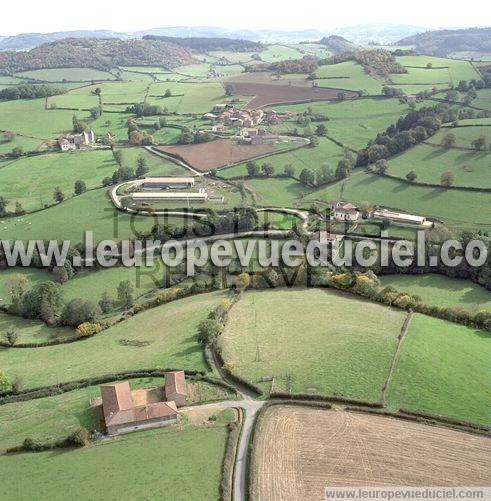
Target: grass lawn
<point x="348" y="75"/>
<point x="69" y="74"/>
<point x="183" y="461"/>
<point x="444" y="369"/>
<point x="445" y="205"/>
<point x="442" y="291"/>
<point x="171" y="344"/>
<point x="470" y="168"/>
<point x="312" y="341"/>
<point x="31" y="180"/>
<point x="31" y="331"/>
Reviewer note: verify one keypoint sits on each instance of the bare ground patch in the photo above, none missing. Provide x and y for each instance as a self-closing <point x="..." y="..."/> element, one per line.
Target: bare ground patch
<point x="298" y="452"/>
<point x="216" y="154"/>
<point x="270" y="92"/>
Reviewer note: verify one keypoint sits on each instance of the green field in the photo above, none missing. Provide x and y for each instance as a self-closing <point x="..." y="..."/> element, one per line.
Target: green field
<point x="349" y="75"/>
<point x="276" y="192"/>
<point x="345" y="350"/>
<point x="483" y="99"/>
<point x="32" y="180"/>
<point x="439" y="290"/>
<point x="26" y="143"/>
<point x="68" y="74"/>
<point x="81" y="98"/>
<point x="445" y="205"/>
<point x="470" y="168"/>
<point x="443" y="368"/>
<point x="183" y="461"/>
<point x="171" y="344"/>
<point x="28" y="117"/>
<point x="443" y="73"/>
<point x="464" y="135"/>
<point x="31" y="331"/>
<point x="276" y="53"/>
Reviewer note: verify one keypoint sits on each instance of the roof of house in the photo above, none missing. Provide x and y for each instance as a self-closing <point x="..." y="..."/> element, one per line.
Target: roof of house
<point x="168" y="180"/>
<point x="175" y="382"/>
<point x="118" y="406"/>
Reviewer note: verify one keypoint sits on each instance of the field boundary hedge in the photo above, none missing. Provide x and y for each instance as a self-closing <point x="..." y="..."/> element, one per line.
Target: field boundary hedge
<point x="57" y="389"/>
<point x="303" y="397"/>
<point x="229" y="457"/>
<point x="430" y="185"/>
<point x="422" y="418"/>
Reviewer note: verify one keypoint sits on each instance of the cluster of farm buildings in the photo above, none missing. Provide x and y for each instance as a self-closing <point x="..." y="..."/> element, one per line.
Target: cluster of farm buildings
<point x="127" y="410"/>
<point x="155" y="189"/>
<point x="245" y="121"/>
<point x="346" y="211"/>
<point x="71" y="142"/>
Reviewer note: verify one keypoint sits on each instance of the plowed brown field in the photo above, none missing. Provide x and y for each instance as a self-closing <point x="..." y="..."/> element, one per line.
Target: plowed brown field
<point x="299" y="451"/>
<point x="216" y="154"/>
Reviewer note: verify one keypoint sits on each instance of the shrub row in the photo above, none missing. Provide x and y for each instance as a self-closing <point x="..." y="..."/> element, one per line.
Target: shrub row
<point x="78" y="438"/>
<point x="228" y="463"/>
<point x="57" y="389"/>
<point x="444" y="419"/>
<point x="469" y="428"/>
<point x="321" y="398"/>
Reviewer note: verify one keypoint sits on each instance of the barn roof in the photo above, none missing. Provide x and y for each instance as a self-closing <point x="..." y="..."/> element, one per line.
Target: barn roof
<point x="175" y="382"/>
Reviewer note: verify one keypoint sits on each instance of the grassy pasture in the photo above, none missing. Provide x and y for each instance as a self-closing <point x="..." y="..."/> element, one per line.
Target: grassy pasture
<point x="113" y="123"/>
<point x="326" y="152"/>
<point x="233" y="57"/>
<point x="276" y="53"/>
<point x="448" y="71"/>
<point x="465" y="135"/>
<point x="191" y="97"/>
<point x="26" y="143"/>
<point x="445" y="205"/>
<point x="346" y="349"/>
<point x="31" y="331"/>
<point x="190" y="467"/>
<point x="69" y="220"/>
<point x="171" y="344"/>
<point x="122" y="94"/>
<point x="199" y="70"/>
<point x="28" y="117"/>
<point x="439" y="290"/>
<point x="348" y="75"/>
<point x="443" y="368"/>
<point x="470" y="168"/>
<point x="313" y="49"/>
<point x="31" y="180"/>
<point x="483" y="99"/>
<point x="68" y="74"/>
<point x="81" y="98"/>
<point x="276" y="192"/>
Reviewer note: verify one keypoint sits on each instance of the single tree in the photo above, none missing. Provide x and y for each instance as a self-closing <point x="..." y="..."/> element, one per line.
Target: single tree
<point x="11" y="336"/>
<point x="58" y="195"/>
<point x="447" y="179"/>
<point x="125" y="293"/>
<point x="80" y="187"/>
<point x="411" y="176"/>
<point x="448" y="141"/>
<point x="4" y="382"/>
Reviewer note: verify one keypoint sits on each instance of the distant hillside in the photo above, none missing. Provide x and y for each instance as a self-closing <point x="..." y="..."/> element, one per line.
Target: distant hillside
<point x="27" y="41"/>
<point x="338" y="45"/>
<point x="443" y="42"/>
<point x="205" y="44"/>
<point x="102" y="54"/>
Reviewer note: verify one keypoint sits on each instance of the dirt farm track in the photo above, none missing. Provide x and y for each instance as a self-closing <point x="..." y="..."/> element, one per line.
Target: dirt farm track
<point x="299" y="451"/>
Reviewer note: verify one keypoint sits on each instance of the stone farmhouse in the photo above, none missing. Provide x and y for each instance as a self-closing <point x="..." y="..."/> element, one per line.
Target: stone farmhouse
<point x="125" y="410"/>
<point x="343" y="211"/>
<point x="71" y="142"/>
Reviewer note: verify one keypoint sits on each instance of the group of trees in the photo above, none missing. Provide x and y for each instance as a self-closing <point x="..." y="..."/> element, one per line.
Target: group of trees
<point x="124" y="173"/>
<point x="192" y="136"/>
<point x="44" y="301"/>
<point x="414" y="127"/>
<point x="29" y="91"/>
<point x="146" y="110"/>
<point x="18" y="211"/>
<point x="135" y="136"/>
<point x="256" y="170"/>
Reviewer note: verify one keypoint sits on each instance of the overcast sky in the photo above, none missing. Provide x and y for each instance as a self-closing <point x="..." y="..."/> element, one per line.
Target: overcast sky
<point x="60" y="15"/>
